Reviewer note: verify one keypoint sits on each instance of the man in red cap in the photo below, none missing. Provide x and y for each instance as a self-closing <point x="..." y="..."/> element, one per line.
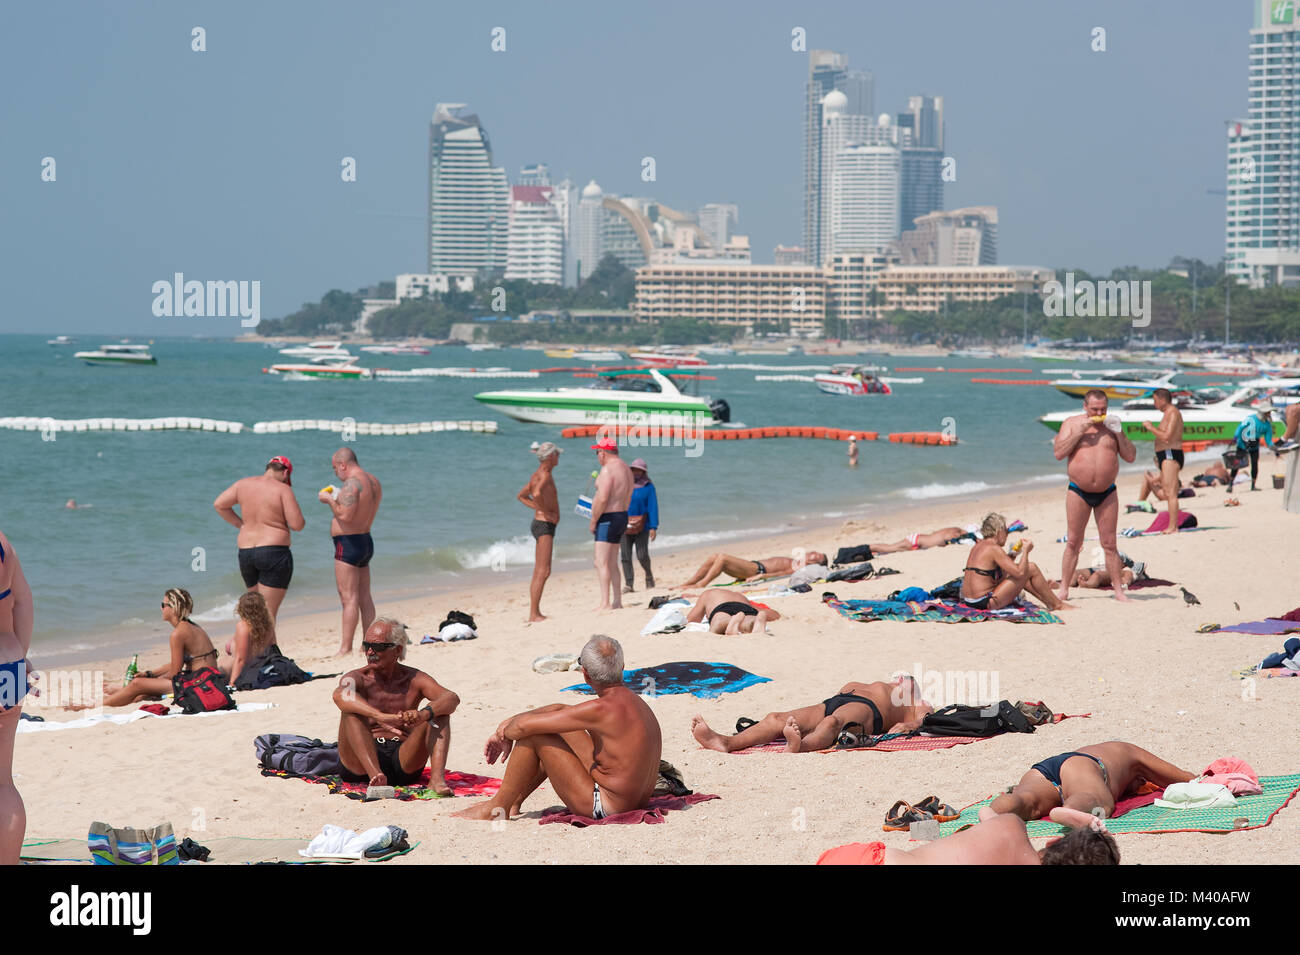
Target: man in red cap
<point x="609" y="519"/>
<point x="268" y="511"/>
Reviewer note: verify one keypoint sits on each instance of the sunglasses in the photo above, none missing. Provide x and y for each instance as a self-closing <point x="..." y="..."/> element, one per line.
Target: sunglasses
<point x="377" y="647"/>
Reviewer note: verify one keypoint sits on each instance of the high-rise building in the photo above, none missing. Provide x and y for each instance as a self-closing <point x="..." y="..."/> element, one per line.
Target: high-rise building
<point x="565" y="200"/>
<point x="922" y="180"/>
<point x="840" y="128"/>
<point x="1262" y="229"/>
<point x="827" y="71"/>
<point x="536" y="237"/>
<point x="865" y="211"/>
<point x="718" y="220"/>
<point x="535" y="174"/>
<point x="927" y="120"/>
<point x="956" y="237"/>
<point x="590" y="220"/>
<point x="469" y="199"/>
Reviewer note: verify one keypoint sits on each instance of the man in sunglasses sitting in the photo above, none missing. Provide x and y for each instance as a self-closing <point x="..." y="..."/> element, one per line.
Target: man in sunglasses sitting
<point x="385" y="736"/>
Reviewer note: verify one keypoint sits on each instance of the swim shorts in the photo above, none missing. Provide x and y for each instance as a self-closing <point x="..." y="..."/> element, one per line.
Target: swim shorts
<point x="542" y="529"/>
<point x="13" y="684"/>
<point x="610" y="527"/>
<point x="855" y="853"/>
<point x="268" y="566"/>
<point x="354" y="549"/>
<point x="389" y="764"/>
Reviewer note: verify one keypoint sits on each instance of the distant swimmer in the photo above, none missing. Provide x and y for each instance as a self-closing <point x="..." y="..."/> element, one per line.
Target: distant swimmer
<point x="73" y="505"/>
<point x="877" y="708"/>
<point x="1169" y="453"/>
<point x="268" y="511"/>
<point x="354" y="505"/>
<point x="741" y="569"/>
<point x="17" y="615"/>
<point x="853" y="451"/>
<point x="540" y="495"/>
<point x="385" y="737"/>
<point x="730" y="613"/>
<point x="609" y="520"/>
<point x="1093" y="441"/>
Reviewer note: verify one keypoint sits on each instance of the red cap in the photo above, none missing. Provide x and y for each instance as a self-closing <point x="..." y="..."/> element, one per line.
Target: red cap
<point x="286" y="464"/>
<point x="605" y="445"/>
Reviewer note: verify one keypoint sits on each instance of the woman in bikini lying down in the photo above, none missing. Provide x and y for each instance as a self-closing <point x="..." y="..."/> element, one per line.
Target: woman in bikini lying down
<point x="730" y="613"/>
<point x="993" y="580"/>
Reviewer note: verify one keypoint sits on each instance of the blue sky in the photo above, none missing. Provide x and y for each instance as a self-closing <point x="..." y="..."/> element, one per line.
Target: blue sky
<point x="225" y="164"/>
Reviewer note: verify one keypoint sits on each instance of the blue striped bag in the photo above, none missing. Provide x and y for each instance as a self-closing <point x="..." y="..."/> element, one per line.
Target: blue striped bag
<point x="156" y="846"/>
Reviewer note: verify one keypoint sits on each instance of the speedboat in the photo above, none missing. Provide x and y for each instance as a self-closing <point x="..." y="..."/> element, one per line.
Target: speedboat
<point x="851" y="380"/>
<point x="484" y="346"/>
<point x="981" y="353"/>
<point x="667" y="357"/>
<point x="598" y="355"/>
<point x="1120" y="383"/>
<point x="1215" y="421"/>
<point x="395" y="348"/>
<point x="616" y="397"/>
<point x="61" y="340"/>
<point x="317" y="350"/>
<point x="118" y="355"/>
<point x="324" y="366"/>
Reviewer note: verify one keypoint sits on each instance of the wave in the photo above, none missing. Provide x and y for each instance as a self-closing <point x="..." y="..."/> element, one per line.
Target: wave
<point x="218" y="614"/>
<point x="927" y="491"/>
<point x="496" y="556"/>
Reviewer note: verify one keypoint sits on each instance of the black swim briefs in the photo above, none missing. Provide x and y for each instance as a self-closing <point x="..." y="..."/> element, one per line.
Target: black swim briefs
<point x="542" y="528"/>
<point x="268" y="566"/>
<point x="840" y="699"/>
<point x="354" y="549"/>
<point x="1169" y="454"/>
<point x="389" y="764"/>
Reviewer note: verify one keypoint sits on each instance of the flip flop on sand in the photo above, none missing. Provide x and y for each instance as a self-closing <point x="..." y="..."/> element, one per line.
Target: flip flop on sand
<point x="896" y="821"/>
<point x="940" y="811"/>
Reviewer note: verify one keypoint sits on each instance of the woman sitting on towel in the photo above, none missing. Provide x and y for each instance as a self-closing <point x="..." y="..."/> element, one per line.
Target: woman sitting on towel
<point x="731" y="613"/>
<point x="254" y="635"/>
<point x="190" y="650"/>
<point x="993" y="580"/>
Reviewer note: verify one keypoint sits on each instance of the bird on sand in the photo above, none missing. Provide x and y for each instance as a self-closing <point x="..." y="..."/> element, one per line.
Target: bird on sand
<point x="1188" y="597"/>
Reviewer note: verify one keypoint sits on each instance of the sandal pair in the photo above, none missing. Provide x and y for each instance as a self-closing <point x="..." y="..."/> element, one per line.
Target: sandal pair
<point x="902" y="814"/>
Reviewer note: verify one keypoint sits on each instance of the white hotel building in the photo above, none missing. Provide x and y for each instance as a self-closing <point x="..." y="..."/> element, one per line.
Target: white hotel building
<point x="535" y="244"/>
<point x="469" y="198"/>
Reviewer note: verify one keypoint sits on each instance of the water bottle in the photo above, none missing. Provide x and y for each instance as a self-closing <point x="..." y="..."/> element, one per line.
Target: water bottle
<point x="132" y="669"/>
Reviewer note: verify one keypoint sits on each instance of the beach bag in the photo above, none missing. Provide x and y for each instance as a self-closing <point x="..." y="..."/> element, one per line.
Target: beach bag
<point x="635" y="525"/>
<point x="960" y="720"/>
<point x="203" y="691"/>
<point x="853" y="555"/>
<point x="155" y="846"/>
<point x="456" y="616"/>
<point x="856" y="572"/>
<point x="297" y="755"/>
<point x="1236" y="459"/>
<point x="949" y="592"/>
<point x="270" y="669"/>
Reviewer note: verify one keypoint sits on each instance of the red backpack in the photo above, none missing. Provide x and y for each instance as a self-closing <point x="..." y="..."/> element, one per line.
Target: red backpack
<point x="202" y="691"/>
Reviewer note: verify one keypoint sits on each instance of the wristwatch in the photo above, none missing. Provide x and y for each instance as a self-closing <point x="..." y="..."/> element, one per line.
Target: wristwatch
<point x="432" y="716"/>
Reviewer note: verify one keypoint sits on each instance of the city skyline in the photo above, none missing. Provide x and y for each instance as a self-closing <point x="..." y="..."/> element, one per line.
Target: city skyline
<point x="224" y="164"/>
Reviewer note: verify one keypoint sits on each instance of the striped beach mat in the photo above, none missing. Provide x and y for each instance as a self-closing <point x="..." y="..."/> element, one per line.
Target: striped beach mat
<point x="1250" y="812"/>
<point x="936" y="611"/>
<point x="153" y="846"/>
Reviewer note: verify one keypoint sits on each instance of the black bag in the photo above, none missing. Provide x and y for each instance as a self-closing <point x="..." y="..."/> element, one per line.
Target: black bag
<point x="853" y="555"/>
<point x="203" y="691"/>
<point x="297" y="755"/>
<point x="456" y="616"/>
<point x="960" y="720"/>
<point x="951" y="591"/>
<point x="856" y="572"/>
<point x="271" y="668"/>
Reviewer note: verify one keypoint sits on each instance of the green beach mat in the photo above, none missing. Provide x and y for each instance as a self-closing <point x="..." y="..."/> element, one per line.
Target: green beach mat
<point x="1258" y="811"/>
<point x="226" y="850"/>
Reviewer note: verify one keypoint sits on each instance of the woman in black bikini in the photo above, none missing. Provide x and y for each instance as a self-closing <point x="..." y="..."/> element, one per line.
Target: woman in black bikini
<point x="191" y="649"/>
<point x="730" y="613"/>
<point x="993" y="580"/>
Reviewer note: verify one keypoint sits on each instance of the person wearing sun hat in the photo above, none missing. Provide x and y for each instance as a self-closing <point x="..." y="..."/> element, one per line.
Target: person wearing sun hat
<point x="268" y="512"/>
<point x="540" y="495"/>
<point x="609" y="519"/>
<point x="642" y="525"/>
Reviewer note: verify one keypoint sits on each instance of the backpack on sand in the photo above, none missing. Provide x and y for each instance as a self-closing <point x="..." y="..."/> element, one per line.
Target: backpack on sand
<point x="297" y="755"/>
<point x="270" y="668"/>
<point x="961" y="720"/>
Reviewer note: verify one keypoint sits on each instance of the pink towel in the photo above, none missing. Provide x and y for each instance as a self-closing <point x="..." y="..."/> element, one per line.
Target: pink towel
<point x="653" y="814"/>
<point x="1234" y="773"/>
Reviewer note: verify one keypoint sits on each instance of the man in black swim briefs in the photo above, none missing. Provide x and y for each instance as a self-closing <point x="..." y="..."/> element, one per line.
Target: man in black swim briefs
<point x="268" y="511"/>
<point x="541" y="497"/>
<point x="879" y="708"/>
<point x="1168" y="436"/>
<point x="354" y="504"/>
<point x="1094" y="442"/>
<point x="1086" y="782"/>
<point x="730" y="613"/>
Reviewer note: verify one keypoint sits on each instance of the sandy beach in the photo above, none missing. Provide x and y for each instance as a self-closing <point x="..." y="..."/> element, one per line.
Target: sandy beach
<point x="1140" y="670"/>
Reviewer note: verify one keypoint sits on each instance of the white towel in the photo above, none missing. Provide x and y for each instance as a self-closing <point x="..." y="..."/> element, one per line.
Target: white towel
<point x="1196" y="796"/>
<point x="339" y="843"/>
<point x="31" y="726"/>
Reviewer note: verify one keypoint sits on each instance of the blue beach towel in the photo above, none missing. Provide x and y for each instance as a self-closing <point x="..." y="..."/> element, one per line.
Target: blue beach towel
<point x="705" y="680"/>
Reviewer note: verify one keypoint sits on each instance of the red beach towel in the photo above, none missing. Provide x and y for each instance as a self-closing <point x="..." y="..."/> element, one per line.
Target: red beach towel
<point x="653" y="814"/>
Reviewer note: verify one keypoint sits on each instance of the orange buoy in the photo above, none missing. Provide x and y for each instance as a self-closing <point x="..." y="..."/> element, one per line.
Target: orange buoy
<point x="819" y="432"/>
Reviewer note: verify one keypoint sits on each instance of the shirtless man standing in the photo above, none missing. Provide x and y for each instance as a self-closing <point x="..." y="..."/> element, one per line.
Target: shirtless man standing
<point x="1094" y="442"/>
<point x="601" y="756"/>
<point x="879" y="707"/>
<point x="609" y="519"/>
<point x="17" y="615"/>
<point x="268" y="512"/>
<point x="354" y="505"/>
<point x="1076" y="786"/>
<point x="1169" y="451"/>
<point x="385" y="737"/>
<point x="741" y="569"/>
<point x="540" y="495"/>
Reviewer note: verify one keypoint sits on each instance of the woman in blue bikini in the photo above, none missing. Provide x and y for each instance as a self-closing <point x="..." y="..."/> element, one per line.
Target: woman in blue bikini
<point x="16" y="617"/>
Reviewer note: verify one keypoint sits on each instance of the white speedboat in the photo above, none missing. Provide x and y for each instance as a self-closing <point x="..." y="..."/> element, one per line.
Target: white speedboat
<point x="118" y="355"/>
<point x="667" y="358"/>
<point x="1118" y="383"/>
<point x="984" y="354"/>
<point x="598" y="355"/>
<point x="322" y="367"/>
<point x="61" y="340"/>
<point x="327" y="349"/>
<point x="1215" y="421"/>
<point x="395" y="348"/>
<point x="616" y="397"/>
<point x="484" y="346"/>
<point x="851" y="380"/>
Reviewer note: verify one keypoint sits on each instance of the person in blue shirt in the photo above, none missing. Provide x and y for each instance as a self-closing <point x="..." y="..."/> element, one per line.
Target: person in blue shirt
<point x="1258" y="425"/>
<point x="642" y="524"/>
